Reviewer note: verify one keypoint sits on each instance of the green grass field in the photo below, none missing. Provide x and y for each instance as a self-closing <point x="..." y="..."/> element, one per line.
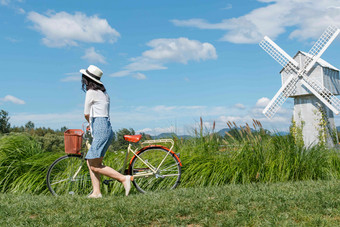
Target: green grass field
<point x="246" y="179"/>
<point x="304" y="203"/>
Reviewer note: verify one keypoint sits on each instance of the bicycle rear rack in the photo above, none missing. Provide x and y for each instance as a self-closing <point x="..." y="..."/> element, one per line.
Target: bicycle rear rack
<point x="160" y="141"/>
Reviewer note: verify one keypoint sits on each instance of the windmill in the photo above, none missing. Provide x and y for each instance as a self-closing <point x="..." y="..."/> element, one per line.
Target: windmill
<point x="313" y="93"/>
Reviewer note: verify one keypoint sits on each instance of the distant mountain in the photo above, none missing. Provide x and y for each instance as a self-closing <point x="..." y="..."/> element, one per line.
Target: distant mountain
<point x="281" y="133"/>
<point x="170" y="135"/>
<point x="223" y="131"/>
<point x="220" y="132"/>
<point x="165" y="135"/>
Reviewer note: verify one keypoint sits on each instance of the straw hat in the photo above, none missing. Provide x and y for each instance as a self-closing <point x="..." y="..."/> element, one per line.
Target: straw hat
<point x="93" y="72"/>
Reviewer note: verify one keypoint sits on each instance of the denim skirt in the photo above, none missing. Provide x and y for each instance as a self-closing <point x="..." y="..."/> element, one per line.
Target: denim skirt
<point x="102" y="136"/>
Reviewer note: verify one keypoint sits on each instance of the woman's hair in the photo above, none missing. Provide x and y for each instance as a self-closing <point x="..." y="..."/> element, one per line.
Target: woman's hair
<point x="88" y="84"/>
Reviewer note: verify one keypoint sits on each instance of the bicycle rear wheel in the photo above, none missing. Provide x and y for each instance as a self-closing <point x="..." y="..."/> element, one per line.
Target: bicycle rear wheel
<point x="167" y="176"/>
<point x="69" y="175"/>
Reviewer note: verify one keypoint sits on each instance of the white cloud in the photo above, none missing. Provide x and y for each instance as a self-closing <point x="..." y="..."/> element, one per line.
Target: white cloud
<point x="21" y="11"/>
<point x="239" y="106"/>
<point x="160" y="118"/>
<point x="71" y="78"/>
<point x="262" y="102"/>
<point x="52" y="120"/>
<point x="92" y="56"/>
<point x="228" y="6"/>
<point x="64" y="29"/>
<point x="307" y="19"/>
<point x="13" y="5"/>
<point x="144" y="64"/>
<point x="163" y="51"/>
<point x="179" y="50"/>
<point x="75" y="76"/>
<point x="5" y="2"/>
<point x="15" y="100"/>
<point x="198" y="23"/>
<point x="156" y="115"/>
<point x="163" y="108"/>
<point x="280" y="122"/>
<point x="239" y="120"/>
<point x="157" y="131"/>
<point x="12" y="40"/>
<point x="145" y="130"/>
<point x="120" y="73"/>
<point x="139" y="76"/>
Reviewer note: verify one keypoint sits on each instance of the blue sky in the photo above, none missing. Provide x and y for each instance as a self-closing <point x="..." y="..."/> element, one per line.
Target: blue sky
<point x="166" y="63"/>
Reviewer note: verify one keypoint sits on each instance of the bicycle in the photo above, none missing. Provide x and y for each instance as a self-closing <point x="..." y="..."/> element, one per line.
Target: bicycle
<point x="154" y="167"/>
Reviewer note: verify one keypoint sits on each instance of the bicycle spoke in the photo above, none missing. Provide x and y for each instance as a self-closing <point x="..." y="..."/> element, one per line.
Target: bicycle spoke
<point x="170" y="175"/>
<point x="163" y="160"/>
<point x="59" y="181"/>
<point x="172" y="166"/>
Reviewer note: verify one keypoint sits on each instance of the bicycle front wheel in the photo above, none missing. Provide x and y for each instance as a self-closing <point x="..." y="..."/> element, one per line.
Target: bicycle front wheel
<point x="69" y="175"/>
<point x="164" y="174"/>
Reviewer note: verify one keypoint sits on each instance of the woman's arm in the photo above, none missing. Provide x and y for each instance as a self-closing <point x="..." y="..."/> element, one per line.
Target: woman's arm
<point x="88" y="103"/>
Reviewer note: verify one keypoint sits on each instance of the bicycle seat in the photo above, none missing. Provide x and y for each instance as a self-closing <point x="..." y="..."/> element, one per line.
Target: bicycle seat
<point x="133" y="138"/>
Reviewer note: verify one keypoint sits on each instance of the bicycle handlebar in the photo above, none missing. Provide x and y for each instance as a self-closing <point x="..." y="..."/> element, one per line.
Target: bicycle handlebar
<point x="86" y="129"/>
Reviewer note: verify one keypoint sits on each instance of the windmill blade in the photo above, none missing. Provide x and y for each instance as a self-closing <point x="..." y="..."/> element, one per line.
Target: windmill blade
<point x="323" y="94"/>
<point x="277" y="53"/>
<point x="320" y="46"/>
<point x="287" y="89"/>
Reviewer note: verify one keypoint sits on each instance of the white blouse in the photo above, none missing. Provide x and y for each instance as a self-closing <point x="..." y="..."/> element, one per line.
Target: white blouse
<point x="97" y="104"/>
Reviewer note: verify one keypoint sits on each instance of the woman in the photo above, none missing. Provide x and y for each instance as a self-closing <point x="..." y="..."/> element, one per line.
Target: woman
<point x="96" y="111"/>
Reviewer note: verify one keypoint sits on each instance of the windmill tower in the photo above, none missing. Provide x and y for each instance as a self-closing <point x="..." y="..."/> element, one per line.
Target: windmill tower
<point x="313" y="83"/>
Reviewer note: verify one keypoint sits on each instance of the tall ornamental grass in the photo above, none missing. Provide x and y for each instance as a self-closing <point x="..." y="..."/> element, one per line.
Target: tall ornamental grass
<point x="23" y="164"/>
<point x="253" y="156"/>
<point x="243" y="156"/>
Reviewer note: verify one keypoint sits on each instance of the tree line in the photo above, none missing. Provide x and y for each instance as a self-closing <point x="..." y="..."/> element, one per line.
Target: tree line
<point x="53" y="140"/>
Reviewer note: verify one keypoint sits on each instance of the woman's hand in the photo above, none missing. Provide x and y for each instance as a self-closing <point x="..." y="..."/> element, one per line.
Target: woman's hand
<point x="87" y="117"/>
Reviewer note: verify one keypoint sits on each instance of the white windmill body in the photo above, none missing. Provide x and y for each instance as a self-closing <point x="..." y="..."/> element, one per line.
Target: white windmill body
<point x="313" y="83"/>
<point x="307" y="107"/>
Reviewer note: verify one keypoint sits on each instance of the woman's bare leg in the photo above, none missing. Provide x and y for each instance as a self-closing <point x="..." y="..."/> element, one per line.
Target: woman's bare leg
<point x="95" y="179"/>
<point x="96" y="165"/>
